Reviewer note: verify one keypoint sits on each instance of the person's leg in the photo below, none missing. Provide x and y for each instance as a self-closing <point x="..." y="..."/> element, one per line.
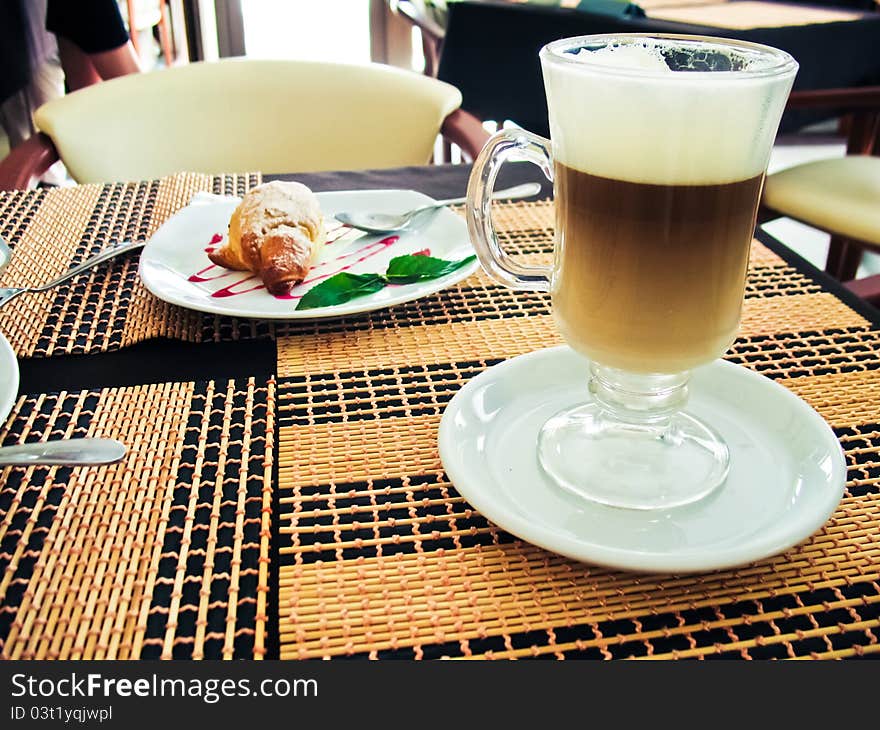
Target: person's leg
<point x="78" y="69"/>
<point x="93" y="40"/>
<point x="84" y="69"/>
<point x="116" y="62"/>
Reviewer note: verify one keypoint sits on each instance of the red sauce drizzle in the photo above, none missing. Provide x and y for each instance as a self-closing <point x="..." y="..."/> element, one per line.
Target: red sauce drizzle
<point x="199" y="276"/>
<point x="362" y="254"/>
<point x="227" y="291"/>
<point x="212" y="244"/>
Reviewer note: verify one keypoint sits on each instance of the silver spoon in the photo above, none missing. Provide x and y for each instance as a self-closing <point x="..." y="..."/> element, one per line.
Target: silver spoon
<point x="391" y="222"/>
<point x="63" y="452"/>
<point x="9" y="293"/>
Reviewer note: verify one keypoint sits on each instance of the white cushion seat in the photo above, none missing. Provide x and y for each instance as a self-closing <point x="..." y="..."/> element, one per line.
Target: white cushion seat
<point x="840" y="195"/>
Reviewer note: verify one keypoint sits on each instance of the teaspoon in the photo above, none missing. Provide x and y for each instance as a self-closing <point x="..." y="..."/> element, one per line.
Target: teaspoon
<point x="63" y="452"/>
<point x="391" y="222"/>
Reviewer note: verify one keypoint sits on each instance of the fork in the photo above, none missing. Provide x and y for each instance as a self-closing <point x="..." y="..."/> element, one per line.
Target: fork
<point x="7" y="294"/>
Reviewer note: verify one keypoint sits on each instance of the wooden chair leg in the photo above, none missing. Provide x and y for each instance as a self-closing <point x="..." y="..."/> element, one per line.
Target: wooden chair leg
<point x="165" y="34"/>
<point x="132" y="30"/>
<point x="447" y="151"/>
<point x="844" y="257"/>
<point x="432" y="55"/>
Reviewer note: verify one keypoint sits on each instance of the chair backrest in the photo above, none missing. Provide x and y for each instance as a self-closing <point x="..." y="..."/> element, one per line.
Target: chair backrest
<point x="239" y="115"/>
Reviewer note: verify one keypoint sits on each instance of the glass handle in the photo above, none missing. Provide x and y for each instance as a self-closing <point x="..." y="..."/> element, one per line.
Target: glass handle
<point x="506" y="145"/>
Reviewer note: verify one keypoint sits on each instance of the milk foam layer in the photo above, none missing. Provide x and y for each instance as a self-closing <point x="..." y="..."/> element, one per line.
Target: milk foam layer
<point x="643" y="56"/>
<point x="621" y="113"/>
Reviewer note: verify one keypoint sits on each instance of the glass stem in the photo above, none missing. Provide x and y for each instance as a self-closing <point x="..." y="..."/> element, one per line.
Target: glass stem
<point x="648" y="399"/>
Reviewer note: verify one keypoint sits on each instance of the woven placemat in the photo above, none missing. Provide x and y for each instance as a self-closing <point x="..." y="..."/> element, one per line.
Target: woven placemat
<point x="165" y="554"/>
<point x="51" y="230"/>
<point x="380" y="557"/>
<point x="108" y="308"/>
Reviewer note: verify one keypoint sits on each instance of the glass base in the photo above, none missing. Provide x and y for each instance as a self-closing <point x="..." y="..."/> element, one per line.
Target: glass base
<point x="636" y="459"/>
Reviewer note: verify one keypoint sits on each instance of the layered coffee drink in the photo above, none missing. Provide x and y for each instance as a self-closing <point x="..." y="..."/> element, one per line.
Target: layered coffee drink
<point x="649" y="278"/>
<point x="659" y="146"/>
<point x="657" y="188"/>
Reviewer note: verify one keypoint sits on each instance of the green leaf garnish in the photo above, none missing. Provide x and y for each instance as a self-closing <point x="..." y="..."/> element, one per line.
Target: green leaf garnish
<point x="341" y="288"/>
<point x="408" y="269"/>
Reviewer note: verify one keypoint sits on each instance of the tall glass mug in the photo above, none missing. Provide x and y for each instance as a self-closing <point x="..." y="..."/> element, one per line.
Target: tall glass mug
<point x="659" y="148"/>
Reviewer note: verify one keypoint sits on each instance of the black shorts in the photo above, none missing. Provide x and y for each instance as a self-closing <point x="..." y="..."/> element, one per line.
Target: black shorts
<point x="94" y="26"/>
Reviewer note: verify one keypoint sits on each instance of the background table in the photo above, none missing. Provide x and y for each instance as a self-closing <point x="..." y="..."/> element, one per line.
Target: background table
<point x="283" y="496"/>
<point x="490" y="53"/>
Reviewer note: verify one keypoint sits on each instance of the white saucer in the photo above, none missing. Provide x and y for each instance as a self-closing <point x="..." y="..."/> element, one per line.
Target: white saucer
<point x="8" y="378"/>
<point x="787" y="470"/>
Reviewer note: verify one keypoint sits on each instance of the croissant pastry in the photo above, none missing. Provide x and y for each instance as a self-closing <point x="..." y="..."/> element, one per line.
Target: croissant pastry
<point x="277" y="231"/>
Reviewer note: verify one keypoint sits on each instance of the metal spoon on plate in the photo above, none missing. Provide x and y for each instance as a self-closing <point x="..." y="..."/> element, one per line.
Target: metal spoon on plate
<point x="390" y="222"/>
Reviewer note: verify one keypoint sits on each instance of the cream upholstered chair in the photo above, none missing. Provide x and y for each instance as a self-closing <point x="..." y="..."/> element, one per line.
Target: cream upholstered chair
<point x="239" y="115"/>
<point x="841" y="195"/>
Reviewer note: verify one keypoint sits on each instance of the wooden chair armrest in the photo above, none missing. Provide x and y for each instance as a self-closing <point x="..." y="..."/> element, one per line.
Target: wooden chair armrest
<point x="867" y="288"/>
<point x="465" y="130"/>
<point x="27" y="161"/>
<point x="860" y="110"/>
<point x="851" y="99"/>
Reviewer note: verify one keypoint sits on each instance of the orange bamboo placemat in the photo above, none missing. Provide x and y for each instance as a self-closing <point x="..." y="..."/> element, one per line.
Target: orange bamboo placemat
<point x="108" y="308"/>
<point x="380" y="557"/>
<point x="50" y="231"/>
<point x="164" y="555"/>
<point x="377" y="555"/>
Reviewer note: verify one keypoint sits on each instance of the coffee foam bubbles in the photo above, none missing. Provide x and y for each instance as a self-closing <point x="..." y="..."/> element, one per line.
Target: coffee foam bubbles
<point x="650" y="124"/>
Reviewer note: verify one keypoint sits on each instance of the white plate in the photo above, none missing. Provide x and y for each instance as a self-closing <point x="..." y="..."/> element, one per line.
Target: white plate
<point x="177" y="252"/>
<point x="787" y="470"/>
<point x="8" y="378"/>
